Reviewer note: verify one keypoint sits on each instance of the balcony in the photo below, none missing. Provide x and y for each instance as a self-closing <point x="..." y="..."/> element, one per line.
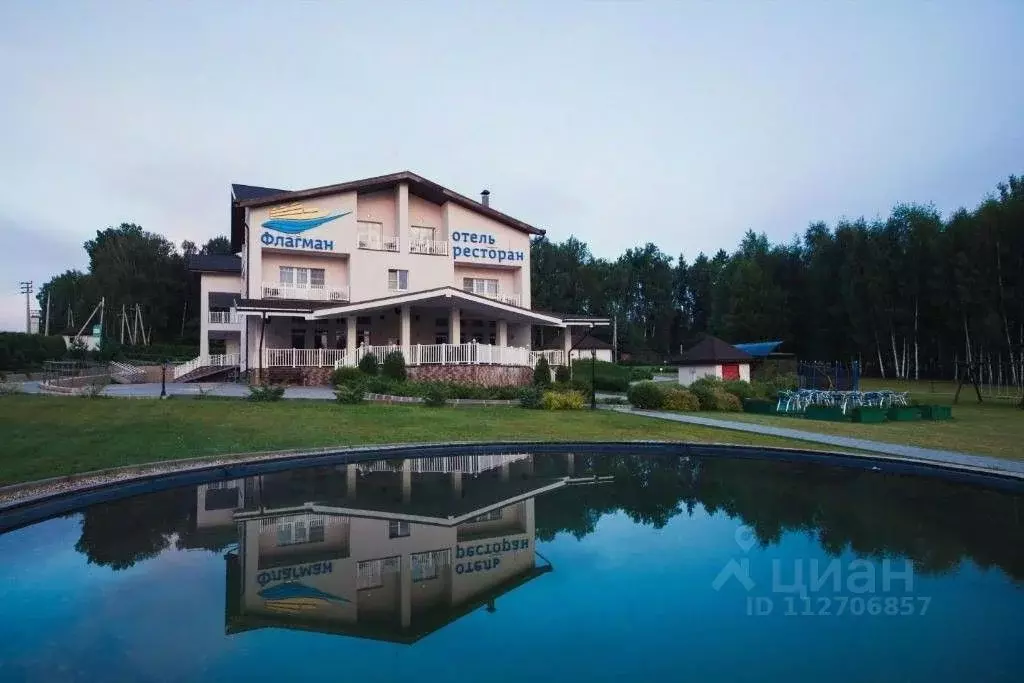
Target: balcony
<point x="418" y="354"/>
<point x="277" y="290"/>
<point x="224" y="318"/>
<point x="432" y="247"/>
<point x="378" y="243"/>
<point x="511" y="299"/>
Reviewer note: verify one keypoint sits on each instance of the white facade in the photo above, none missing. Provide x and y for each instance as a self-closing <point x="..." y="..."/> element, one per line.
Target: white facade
<point x="688" y="374"/>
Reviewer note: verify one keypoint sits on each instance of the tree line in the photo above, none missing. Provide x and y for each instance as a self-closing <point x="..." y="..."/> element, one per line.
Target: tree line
<point x="910" y="295"/>
<point x="129" y="266"/>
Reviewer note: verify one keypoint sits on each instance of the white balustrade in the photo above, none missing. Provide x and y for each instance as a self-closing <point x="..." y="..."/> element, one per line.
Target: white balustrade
<point x="225" y="317"/>
<point x="434" y="247"/>
<point x="378" y="243"/>
<point x="212" y="360"/>
<point x="503" y="297"/>
<point x="310" y="292"/>
<point x="418" y="354"/>
<point x="303" y="358"/>
<point x="553" y="356"/>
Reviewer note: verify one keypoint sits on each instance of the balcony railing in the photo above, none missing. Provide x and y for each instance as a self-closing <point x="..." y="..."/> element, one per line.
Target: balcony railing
<point x="511" y="299"/>
<point x="386" y="243"/>
<point x="434" y="247"/>
<point x="277" y="290"/>
<point x="225" y="317"/>
<point x="418" y="354"/>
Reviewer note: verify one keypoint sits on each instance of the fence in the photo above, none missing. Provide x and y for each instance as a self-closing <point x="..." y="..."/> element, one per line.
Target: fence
<point x="829" y="375"/>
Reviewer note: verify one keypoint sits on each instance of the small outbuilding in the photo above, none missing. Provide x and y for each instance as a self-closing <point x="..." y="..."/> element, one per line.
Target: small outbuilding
<point x="712" y="357"/>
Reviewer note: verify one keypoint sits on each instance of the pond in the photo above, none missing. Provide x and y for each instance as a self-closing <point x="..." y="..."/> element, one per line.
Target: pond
<point x="517" y="566"/>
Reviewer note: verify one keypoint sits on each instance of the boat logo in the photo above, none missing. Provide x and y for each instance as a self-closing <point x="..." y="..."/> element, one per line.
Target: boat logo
<point x="294" y="597"/>
<point x="295" y="218"/>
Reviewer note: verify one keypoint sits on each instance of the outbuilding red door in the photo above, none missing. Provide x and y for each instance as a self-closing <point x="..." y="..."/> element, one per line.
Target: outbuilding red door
<point x="730" y="371"/>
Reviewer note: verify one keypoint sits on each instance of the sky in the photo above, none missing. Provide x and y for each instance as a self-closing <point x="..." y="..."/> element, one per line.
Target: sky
<point x="682" y="123"/>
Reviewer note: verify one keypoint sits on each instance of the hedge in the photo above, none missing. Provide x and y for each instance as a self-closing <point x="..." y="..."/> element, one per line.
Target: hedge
<point x="21" y="351"/>
<point x="607" y="376"/>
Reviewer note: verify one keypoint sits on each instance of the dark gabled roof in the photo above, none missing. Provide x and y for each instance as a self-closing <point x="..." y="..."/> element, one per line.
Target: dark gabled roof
<point x="589" y="342"/>
<point x="215" y="263"/>
<point x="244" y="193"/>
<point x="418" y="185"/>
<point x="712" y="350"/>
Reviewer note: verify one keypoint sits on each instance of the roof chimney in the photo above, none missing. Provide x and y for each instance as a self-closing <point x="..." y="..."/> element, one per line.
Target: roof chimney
<point x="485" y="197"/>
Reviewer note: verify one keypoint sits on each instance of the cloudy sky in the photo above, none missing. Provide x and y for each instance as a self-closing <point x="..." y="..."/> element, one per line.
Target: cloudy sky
<point x="682" y="123"/>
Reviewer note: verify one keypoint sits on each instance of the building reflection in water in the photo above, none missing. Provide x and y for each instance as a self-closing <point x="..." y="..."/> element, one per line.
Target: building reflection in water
<point x="392" y="550"/>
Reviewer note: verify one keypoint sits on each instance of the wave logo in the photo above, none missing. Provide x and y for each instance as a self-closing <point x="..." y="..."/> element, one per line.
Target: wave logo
<point x="293" y="219"/>
<point x="294" y="598"/>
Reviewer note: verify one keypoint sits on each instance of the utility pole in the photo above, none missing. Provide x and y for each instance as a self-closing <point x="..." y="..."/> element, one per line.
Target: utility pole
<point x="26" y="289"/>
<point x="47" y="326"/>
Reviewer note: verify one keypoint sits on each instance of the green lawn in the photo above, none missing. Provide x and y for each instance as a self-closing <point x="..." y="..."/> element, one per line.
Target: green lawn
<point x="42" y="436"/>
<point x="995" y="427"/>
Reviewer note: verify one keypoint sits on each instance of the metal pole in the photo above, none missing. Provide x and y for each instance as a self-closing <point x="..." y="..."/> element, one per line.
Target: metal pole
<point x="163" y="379"/>
<point x="615" y="339"/>
<point x="47" y="329"/>
<point x="26" y="289"/>
<point x="593" y="390"/>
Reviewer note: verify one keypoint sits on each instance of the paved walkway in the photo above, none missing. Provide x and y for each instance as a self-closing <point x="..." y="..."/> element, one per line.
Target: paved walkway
<point x="1015" y="467"/>
<point x="225" y="389"/>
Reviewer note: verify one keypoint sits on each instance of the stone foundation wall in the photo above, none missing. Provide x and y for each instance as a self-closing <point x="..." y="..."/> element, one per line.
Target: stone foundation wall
<point x="482" y="375"/>
<point x="301" y="377"/>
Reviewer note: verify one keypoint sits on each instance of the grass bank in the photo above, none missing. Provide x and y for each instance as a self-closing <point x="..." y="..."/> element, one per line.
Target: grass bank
<point x="995" y="427"/>
<point x="43" y="436"/>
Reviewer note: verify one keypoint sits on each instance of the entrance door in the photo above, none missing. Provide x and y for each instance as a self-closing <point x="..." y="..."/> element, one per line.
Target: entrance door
<point x="730" y="371"/>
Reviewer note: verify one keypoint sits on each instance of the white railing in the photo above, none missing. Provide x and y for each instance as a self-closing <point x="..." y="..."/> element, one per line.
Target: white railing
<point x="446" y="464"/>
<point x="435" y="247"/>
<point x="303" y="358"/>
<point x="553" y="356"/>
<point x="378" y="243"/>
<point x="213" y="360"/>
<point x="277" y="290"/>
<point x="225" y="317"/>
<point x="511" y="299"/>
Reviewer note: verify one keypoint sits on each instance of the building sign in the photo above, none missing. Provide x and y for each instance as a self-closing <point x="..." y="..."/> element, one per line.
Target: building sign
<point x="492" y="552"/>
<point x="293" y="220"/>
<point x="467" y="248"/>
<point x="291" y="573"/>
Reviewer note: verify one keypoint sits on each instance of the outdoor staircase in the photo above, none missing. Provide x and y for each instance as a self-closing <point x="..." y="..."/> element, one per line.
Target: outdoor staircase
<point x="207" y="367"/>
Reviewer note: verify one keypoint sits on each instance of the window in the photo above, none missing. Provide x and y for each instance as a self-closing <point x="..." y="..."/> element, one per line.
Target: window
<point x="302" y="277"/>
<point x="426" y="566"/>
<point x="479" y="285"/>
<point x="370" y="573"/>
<point x="304" y="530"/>
<point x="420" y="234"/>
<point x="398" y="529"/>
<point x="370" y="232"/>
<point x="398" y="280"/>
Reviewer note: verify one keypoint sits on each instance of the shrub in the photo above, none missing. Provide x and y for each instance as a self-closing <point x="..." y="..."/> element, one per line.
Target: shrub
<point x="350" y="392"/>
<point x="368" y="365"/>
<point x="393" y="366"/>
<point x="680" y="399"/>
<point x="607" y="376"/>
<point x="266" y="392"/>
<point x="19" y="350"/>
<point x="646" y="395"/>
<point x="530" y="397"/>
<point x="640" y="374"/>
<point x="562" y="373"/>
<point x="505" y="393"/>
<point x="436" y="395"/>
<point x="740" y="389"/>
<point x="704" y="389"/>
<point x="344" y="375"/>
<point x="384" y="385"/>
<point x="10" y="389"/>
<point x="562" y="400"/>
<point x="726" y="402"/>
<point x="94" y="389"/>
<point x="542" y="373"/>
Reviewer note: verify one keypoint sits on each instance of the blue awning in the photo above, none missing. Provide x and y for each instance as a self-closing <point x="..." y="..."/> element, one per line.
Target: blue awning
<point x="759" y="349"/>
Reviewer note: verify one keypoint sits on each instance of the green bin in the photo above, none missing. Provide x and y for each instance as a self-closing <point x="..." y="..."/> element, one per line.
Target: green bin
<point x="759" y="406"/>
<point x="830" y="413"/>
<point x="871" y="415"/>
<point x="904" y="413"/>
<point x="937" y="412"/>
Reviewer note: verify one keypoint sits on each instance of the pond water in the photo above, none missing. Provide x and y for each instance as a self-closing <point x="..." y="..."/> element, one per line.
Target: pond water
<point x="526" y="567"/>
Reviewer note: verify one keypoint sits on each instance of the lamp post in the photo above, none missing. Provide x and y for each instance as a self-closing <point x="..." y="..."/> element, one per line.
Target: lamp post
<point x="163" y="380"/>
<point x="593" y="389"/>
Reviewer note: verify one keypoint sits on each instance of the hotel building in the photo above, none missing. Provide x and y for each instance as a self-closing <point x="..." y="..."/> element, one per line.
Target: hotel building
<point x="326" y="275"/>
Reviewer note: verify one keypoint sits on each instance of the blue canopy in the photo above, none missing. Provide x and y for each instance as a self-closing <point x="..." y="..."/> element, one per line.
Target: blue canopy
<point x="759" y="349"/>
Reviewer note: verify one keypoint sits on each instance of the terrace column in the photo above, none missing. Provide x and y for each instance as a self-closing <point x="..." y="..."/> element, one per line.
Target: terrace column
<point x="405" y="332"/>
<point x="566" y="344"/>
<point x="405" y="590"/>
<point x="351" y="472"/>
<point x="350" y="340"/>
<point x="454" y="326"/>
<point x="502" y="333"/>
